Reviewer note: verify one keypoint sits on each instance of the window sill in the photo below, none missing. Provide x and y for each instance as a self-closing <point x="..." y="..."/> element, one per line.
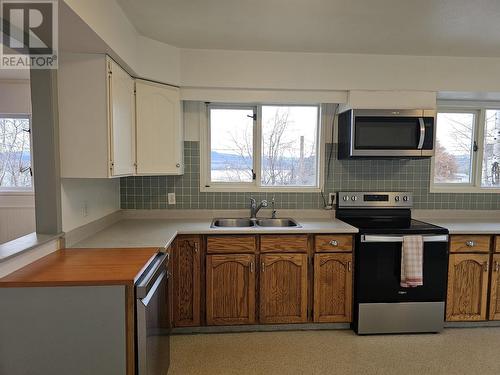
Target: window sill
<point x="258" y="189"/>
<point x="16" y="192"/>
<point x="22" y="244"/>
<point x="462" y="189"/>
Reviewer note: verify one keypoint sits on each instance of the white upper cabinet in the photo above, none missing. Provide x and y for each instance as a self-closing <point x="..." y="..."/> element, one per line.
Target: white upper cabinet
<point x="100" y="134"/>
<point x="159" y="129"/>
<point x="122" y="121"/>
<point x="96" y="117"/>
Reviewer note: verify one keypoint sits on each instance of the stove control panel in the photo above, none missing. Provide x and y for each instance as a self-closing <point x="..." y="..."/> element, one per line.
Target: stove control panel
<point x="357" y="199"/>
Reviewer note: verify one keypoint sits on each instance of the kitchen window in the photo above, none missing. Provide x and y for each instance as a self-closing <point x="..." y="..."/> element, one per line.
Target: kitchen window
<point x="15" y="153"/>
<point x="467" y="151"/>
<point x="261" y="148"/>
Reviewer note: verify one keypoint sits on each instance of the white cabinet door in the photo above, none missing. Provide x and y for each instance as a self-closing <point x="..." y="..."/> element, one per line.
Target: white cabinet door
<point x="122" y="121"/>
<point x="159" y="129"/>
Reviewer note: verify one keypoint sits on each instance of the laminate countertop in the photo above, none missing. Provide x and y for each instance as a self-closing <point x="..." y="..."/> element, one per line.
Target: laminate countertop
<point x="467" y="226"/>
<point x="74" y="267"/>
<point x="161" y="232"/>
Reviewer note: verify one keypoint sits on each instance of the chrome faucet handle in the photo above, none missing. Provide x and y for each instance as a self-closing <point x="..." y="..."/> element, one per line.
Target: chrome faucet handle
<point x="264" y="203"/>
<point x="253" y="202"/>
<point x="273" y="213"/>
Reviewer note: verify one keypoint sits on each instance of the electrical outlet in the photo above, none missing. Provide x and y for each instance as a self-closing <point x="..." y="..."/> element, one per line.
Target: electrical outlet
<point x="85" y="211"/>
<point x="331" y="199"/>
<point x="171" y="198"/>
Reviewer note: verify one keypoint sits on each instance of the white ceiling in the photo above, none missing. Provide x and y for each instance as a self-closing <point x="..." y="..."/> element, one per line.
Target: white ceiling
<point x="409" y="27"/>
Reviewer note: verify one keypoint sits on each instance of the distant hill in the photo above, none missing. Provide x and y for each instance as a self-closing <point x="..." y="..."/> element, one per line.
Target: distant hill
<point x="220" y="160"/>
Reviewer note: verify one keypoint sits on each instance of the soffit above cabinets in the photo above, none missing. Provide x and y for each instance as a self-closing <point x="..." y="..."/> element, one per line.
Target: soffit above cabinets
<point x="224" y="95"/>
<point x="359" y="99"/>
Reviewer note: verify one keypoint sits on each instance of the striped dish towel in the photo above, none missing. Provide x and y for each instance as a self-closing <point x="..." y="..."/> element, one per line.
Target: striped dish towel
<point x="412" y="261"/>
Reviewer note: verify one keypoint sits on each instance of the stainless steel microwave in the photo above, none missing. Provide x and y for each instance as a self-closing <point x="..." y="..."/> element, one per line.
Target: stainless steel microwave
<point x="386" y="133"/>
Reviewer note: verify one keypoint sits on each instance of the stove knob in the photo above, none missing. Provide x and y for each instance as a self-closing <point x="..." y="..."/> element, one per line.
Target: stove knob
<point x="354" y="198"/>
<point x="405" y="198"/>
<point x="345" y="198"/>
<point x="397" y="198"/>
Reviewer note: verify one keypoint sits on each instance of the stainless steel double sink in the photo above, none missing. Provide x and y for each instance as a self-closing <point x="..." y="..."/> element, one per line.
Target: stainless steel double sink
<point x="250" y="223"/>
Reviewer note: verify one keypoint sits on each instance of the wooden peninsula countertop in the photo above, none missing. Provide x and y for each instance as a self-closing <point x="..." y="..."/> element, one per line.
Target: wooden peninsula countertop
<point x="72" y="267"/>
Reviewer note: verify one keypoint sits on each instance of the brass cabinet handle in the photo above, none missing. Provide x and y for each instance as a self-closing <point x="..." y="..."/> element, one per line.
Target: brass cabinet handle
<point x="196" y="247"/>
<point x="334" y="243"/>
<point x="349" y="266"/>
<point x="497" y="266"/>
<point x="251" y="267"/>
<point x="485" y="266"/>
<point x="263" y="266"/>
<point x="470" y="243"/>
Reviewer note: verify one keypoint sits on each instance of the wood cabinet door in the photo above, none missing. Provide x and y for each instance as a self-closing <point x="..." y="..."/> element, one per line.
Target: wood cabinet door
<point x="495" y="289"/>
<point x="122" y="121"/>
<point x="332" y="288"/>
<point x="467" y="287"/>
<point x="230" y="289"/>
<point x="186" y="282"/>
<point x="283" y="288"/>
<point x="159" y="129"/>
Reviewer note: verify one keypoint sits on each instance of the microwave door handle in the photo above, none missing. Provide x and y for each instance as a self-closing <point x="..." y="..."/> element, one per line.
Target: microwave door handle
<point x="376" y="238"/>
<point x="422" y="133"/>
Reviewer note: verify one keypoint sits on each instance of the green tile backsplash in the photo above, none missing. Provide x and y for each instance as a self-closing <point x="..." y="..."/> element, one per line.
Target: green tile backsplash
<point x="358" y="175"/>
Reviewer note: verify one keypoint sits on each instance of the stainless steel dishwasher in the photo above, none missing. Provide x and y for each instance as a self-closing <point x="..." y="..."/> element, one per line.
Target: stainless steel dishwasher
<point x="152" y="318"/>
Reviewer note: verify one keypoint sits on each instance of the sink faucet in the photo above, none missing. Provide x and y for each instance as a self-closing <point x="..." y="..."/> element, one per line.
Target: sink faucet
<point x="273" y="214"/>
<point x="254" y="208"/>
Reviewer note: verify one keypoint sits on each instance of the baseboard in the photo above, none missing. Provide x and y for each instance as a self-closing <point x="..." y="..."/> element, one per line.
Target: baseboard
<point x="472" y="324"/>
<point x="78" y="234"/>
<point x="261" y="328"/>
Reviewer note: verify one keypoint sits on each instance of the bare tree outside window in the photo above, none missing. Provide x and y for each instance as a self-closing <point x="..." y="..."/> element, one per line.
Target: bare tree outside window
<point x="454" y="147"/>
<point x="15" y="153"/>
<point x="289" y="145"/>
<point x="288" y="142"/>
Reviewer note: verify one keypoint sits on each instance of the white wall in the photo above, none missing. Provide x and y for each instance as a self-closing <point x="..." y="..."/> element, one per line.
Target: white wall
<point x="282" y="70"/>
<point x="17" y="210"/>
<point x="101" y="197"/>
<point x="323" y="71"/>
<point x="15" y="97"/>
<point x="17" y="215"/>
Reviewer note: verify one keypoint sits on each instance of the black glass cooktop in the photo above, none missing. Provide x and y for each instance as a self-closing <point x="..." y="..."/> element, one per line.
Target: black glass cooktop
<point x="387" y="221"/>
<point x="415" y="227"/>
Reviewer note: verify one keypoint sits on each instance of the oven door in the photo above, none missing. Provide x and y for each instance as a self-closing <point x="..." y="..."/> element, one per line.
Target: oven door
<point x="378" y="270"/>
<point x="382" y="136"/>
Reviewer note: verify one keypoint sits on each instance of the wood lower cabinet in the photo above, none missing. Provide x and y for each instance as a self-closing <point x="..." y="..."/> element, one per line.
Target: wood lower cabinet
<point x="230" y="289"/>
<point x="467" y="287"/>
<point x="283" y="288"/>
<point x="186" y="281"/>
<point x="495" y="289"/>
<point x="332" y="288"/>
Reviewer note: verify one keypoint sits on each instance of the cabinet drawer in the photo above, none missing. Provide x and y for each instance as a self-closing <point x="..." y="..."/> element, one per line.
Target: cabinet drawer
<point x="470" y="243"/>
<point x="283" y="244"/>
<point x="332" y="243"/>
<point x="497" y="244"/>
<point x="230" y="244"/>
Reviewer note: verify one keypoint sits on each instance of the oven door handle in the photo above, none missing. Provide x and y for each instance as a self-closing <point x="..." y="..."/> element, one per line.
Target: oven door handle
<point x="377" y="238"/>
<point x="158" y="266"/>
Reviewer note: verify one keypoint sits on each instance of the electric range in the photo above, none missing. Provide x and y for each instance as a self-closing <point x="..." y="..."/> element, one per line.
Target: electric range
<point x="381" y="305"/>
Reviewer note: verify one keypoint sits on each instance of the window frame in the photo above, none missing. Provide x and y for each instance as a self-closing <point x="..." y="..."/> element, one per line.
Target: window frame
<point x="238" y="187"/>
<point x="477" y="156"/>
<point x="12" y="190"/>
